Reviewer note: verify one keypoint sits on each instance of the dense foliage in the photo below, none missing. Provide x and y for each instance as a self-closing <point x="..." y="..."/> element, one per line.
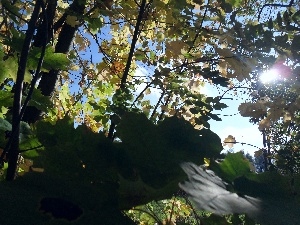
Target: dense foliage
<point x="101" y="101"/>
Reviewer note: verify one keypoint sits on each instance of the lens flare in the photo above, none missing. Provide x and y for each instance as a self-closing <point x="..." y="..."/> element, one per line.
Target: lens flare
<point x="269" y="76"/>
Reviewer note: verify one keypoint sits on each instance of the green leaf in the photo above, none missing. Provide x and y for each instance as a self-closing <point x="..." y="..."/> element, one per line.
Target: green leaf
<point x="220" y="106"/>
<point x="12" y="10"/>
<point x="296" y="17"/>
<point x="52" y="60"/>
<point x="8" y="67"/>
<point x="234" y="165"/>
<point x="296" y="43"/>
<point x="30" y="146"/>
<point x="152" y="55"/>
<point x="270" y="24"/>
<point x="215" y="220"/>
<point x="6" y="98"/>
<point x="235" y="3"/>
<point x="279" y="19"/>
<point x="173" y="138"/>
<point x="16" y="41"/>
<point x="140" y="56"/>
<point x="4" y="127"/>
<point x="188" y="55"/>
<point x="214" y="117"/>
<point x="40" y="101"/>
<point x="94" y="24"/>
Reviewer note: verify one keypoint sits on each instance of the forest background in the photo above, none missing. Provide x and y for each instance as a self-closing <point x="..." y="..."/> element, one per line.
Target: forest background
<point x="84" y="141"/>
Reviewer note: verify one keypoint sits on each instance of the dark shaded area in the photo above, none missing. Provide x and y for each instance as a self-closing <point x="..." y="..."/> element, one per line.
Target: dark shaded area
<point x="60" y="208"/>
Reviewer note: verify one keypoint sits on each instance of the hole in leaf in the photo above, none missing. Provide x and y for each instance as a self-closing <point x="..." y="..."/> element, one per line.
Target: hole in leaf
<point x="60" y="208"/>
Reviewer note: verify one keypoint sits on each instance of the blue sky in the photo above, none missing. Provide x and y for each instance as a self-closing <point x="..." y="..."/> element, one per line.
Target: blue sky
<point x="234" y="125"/>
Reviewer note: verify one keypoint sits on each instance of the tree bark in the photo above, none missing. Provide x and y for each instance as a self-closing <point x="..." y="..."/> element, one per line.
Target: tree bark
<point x="13" y="150"/>
<point x="49" y="79"/>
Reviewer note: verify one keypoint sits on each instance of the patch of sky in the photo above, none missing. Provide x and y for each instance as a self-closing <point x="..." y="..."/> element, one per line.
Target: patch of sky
<point x="246" y="134"/>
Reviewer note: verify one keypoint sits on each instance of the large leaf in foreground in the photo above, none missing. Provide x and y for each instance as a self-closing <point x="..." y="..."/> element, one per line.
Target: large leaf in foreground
<point x="158" y="149"/>
<point x="268" y="198"/>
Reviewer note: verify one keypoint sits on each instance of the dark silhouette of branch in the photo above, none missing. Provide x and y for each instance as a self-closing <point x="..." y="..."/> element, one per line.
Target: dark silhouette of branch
<point x="13" y="149"/>
<point x="133" y="43"/>
<point x="39" y="66"/>
<point x="274" y="5"/>
<point x="200" y="60"/>
<point x="29" y="149"/>
<point x="140" y="94"/>
<point x="129" y="60"/>
<point x="166" y="104"/>
<point x="11" y="12"/>
<point x="242" y="143"/>
<point x="157" y="104"/>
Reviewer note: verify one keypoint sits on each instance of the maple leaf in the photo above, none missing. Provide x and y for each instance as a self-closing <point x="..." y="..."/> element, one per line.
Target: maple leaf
<point x="229" y="141"/>
<point x="72" y="21"/>
<point x="255" y="110"/>
<point x="264" y="124"/>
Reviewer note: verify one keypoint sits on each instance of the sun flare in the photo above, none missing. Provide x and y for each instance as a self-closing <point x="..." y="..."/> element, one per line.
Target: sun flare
<point x="269" y="76"/>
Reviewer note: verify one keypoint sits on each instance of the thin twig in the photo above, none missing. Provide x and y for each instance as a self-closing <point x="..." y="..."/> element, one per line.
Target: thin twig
<point x="29" y="149"/>
<point x="274" y="5"/>
<point x="140" y="94"/>
<point x="157" y="104"/>
<point x="20" y="17"/>
<point x="166" y="104"/>
<point x="129" y="60"/>
<point x="133" y="43"/>
<point x="39" y="66"/>
<point x="242" y="143"/>
<point x="13" y="143"/>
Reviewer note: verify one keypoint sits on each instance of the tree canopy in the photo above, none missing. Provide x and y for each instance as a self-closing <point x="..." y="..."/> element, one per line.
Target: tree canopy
<point x="101" y="101"/>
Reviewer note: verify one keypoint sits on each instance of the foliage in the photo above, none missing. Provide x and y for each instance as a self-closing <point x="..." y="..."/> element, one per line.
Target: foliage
<point x="129" y="76"/>
<point x="269" y="192"/>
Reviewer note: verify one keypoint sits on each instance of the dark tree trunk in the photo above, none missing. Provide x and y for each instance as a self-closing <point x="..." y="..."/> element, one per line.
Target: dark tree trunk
<point x="48" y="80"/>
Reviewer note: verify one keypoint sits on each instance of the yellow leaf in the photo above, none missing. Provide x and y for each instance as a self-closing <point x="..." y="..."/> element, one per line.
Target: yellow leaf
<point x="255" y="110"/>
<point x="258" y="153"/>
<point x="148" y="91"/>
<point x="164" y="107"/>
<point x="264" y="124"/>
<point x="37" y="169"/>
<point x="287" y="117"/>
<point x="174" y="47"/>
<point x="62" y="4"/>
<point x="74" y="67"/>
<point x="101" y="66"/>
<point x="229" y="141"/>
<point x="206" y="161"/>
<point x="72" y="21"/>
<point x="172" y="112"/>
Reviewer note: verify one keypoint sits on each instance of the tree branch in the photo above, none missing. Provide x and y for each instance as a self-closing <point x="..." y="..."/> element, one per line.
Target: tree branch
<point x="133" y="43"/>
<point x="157" y="104"/>
<point x="13" y="149"/>
<point x="129" y="60"/>
<point x="274" y="5"/>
